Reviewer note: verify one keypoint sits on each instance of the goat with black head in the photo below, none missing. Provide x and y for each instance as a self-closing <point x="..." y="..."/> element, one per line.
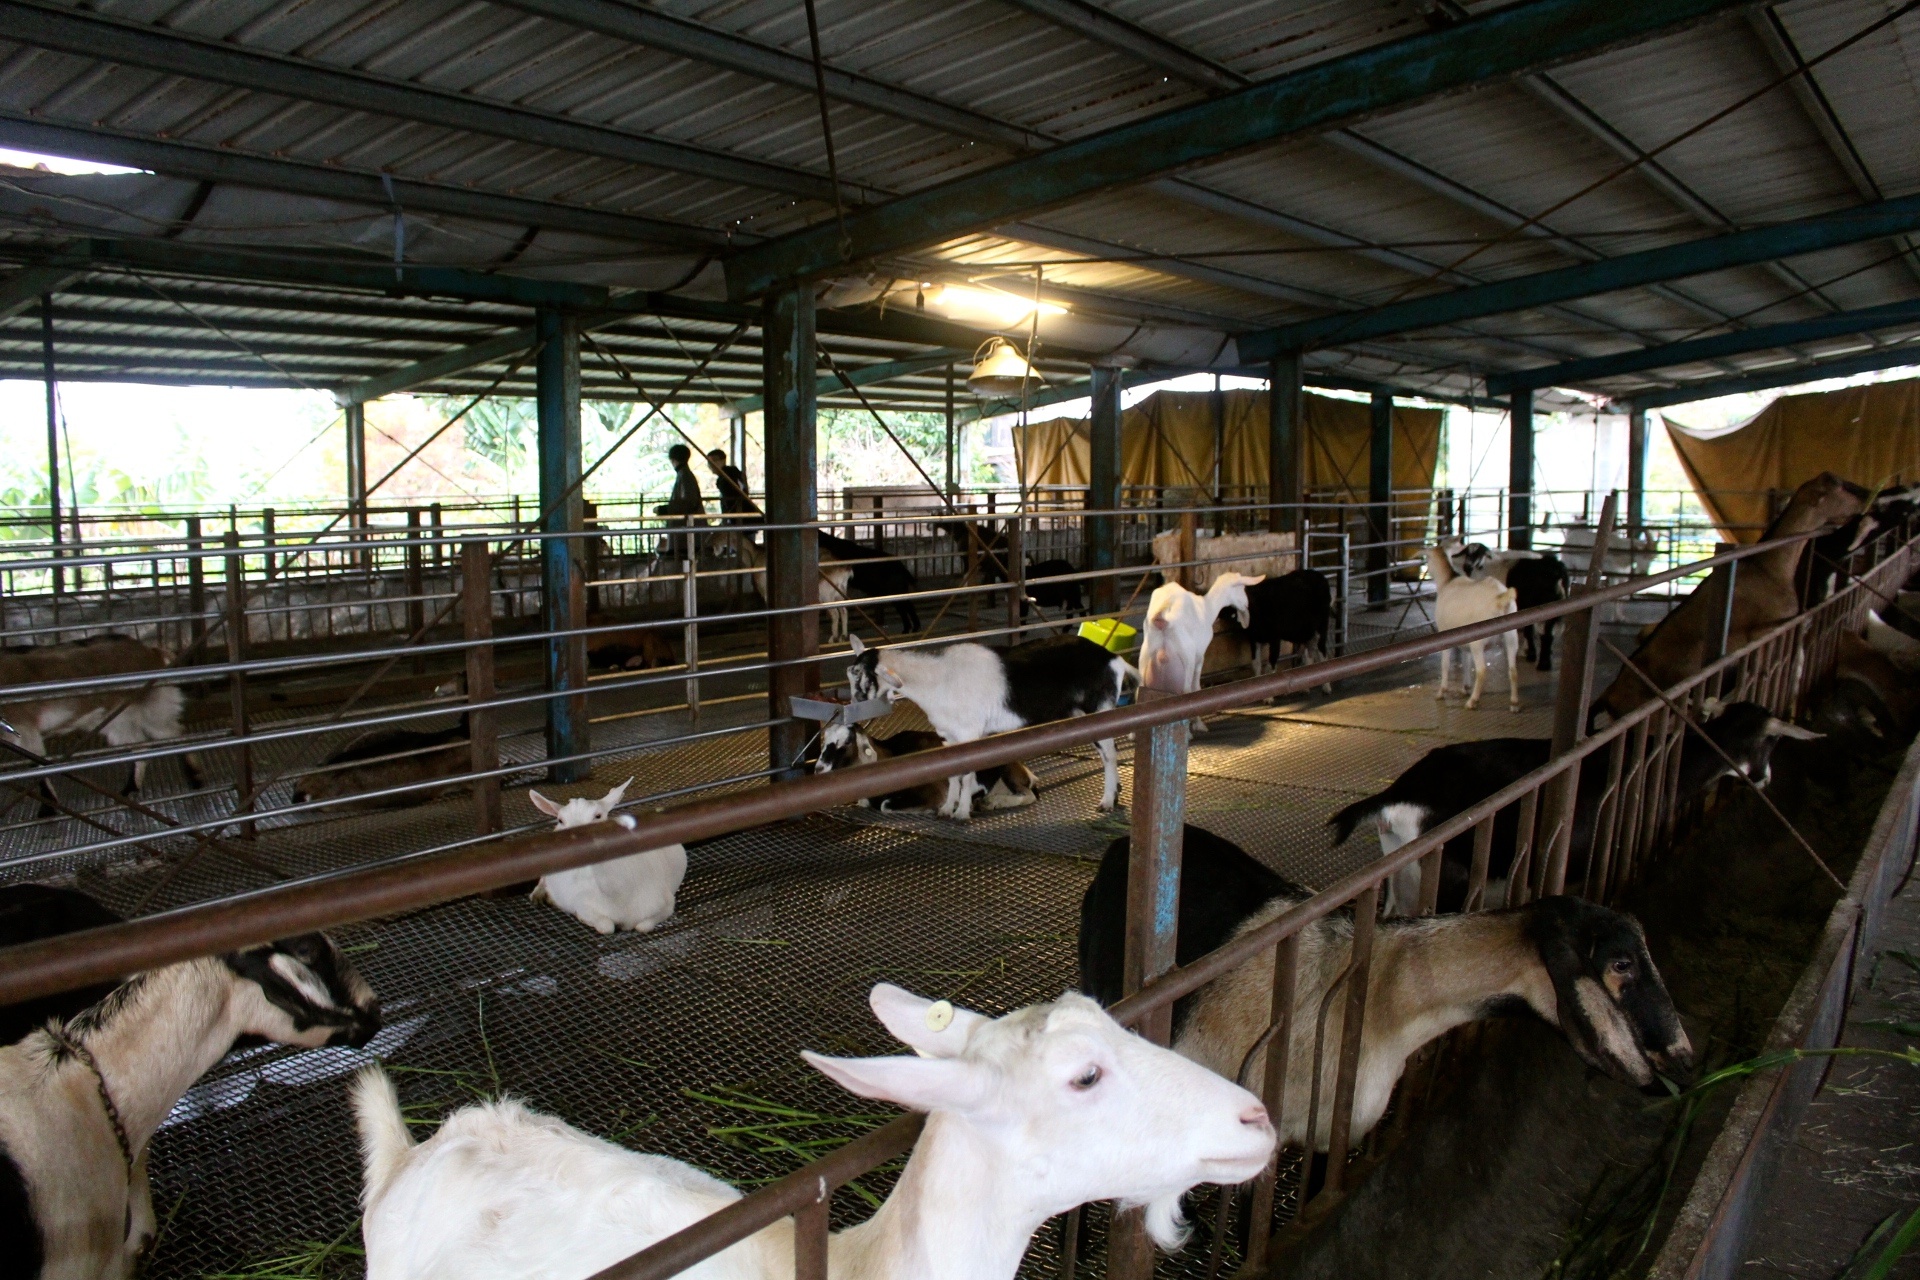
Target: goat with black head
<point x="80" y="1102"/>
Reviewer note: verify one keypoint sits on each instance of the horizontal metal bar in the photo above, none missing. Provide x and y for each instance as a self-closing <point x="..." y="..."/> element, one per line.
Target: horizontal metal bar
<point x="37" y="968"/>
<point x="178" y="158"/>
<point x="1789" y="376"/>
<point x="1672" y="262"/>
<point x="1485" y="47"/>
<point x="1693" y="350"/>
<point x="479" y="353"/>
<point x="174" y="52"/>
<point x="865" y="375"/>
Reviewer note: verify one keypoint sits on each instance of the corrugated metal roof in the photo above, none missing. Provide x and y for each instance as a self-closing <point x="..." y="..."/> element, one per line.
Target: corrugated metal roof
<point x="1509" y="179"/>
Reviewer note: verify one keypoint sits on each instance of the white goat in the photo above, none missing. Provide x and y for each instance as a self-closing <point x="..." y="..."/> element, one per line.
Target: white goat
<point x="1029" y="1115"/>
<point x="1266" y="555"/>
<point x="969" y="691"/>
<point x="128" y="1060"/>
<point x="1180" y="627"/>
<point x="631" y="892"/>
<point x="1460" y="602"/>
<point x="125" y="717"/>
<point x="835" y="577"/>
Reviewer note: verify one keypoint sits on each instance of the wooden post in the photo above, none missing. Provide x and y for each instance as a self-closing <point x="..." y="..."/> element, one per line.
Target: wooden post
<point x="196" y="587"/>
<point x="436" y="516"/>
<point x="416" y="587"/>
<point x="236" y="603"/>
<point x="1153" y="915"/>
<point x="1016" y="578"/>
<point x="974" y="575"/>
<point x="476" y="609"/>
<point x="1574" y="694"/>
<point x="590" y="521"/>
<point x="1188" y="574"/>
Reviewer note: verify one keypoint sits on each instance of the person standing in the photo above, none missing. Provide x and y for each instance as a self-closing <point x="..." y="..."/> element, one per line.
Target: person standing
<point x="731" y="481"/>
<point x="685" y="500"/>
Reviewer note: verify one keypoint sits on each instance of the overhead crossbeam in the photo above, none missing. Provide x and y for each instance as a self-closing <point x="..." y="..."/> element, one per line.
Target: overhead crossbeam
<point x="22" y="289"/>
<point x="1517" y="38"/>
<point x="1672" y="354"/>
<point x="179" y="159"/>
<point x="1874" y="221"/>
<point x="1790" y="376"/>
<point x="153" y="48"/>
<point x="863" y="376"/>
<point x="425" y="371"/>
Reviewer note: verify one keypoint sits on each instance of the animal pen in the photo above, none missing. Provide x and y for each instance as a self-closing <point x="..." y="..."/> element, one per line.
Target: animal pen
<point x="976" y="214"/>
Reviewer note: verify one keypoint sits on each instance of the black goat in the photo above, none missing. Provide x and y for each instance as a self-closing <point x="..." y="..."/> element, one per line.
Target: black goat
<point x="875" y="573"/>
<point x="1065" y="598"/>
<point x="1538" y="581"/>
<point x="28" y="913"/>
<point x="992" y="562"/>
<point x="1296" y="607"/>
<point x="392" y="758"/>
<point x="1449" y="780"/>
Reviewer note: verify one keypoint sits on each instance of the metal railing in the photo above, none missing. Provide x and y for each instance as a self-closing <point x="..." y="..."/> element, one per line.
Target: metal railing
<point x="1638" y="811"/>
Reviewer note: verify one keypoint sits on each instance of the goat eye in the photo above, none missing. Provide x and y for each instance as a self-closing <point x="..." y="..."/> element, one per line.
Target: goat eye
<point x="1087" y="1079"/>
<point x="1622" y="966"/>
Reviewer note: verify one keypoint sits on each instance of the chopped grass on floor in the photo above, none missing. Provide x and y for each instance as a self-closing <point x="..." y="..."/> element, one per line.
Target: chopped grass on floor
<point x="308" y="1260"/>
<point x="787" y="1134"/>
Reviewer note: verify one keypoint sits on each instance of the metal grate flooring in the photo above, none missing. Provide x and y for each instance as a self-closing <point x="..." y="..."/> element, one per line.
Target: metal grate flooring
<point x="679" y="1040"/>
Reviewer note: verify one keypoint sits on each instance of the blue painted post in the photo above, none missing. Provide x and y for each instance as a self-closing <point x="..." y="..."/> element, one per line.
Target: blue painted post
<point x="1103" y="489"/>
<point x="1520" y="472"/>
<point x="562" y="580"/>
<point x="1380" y="498"/>
<point x="793" y="555"/>
<point x="1283" y="445"/>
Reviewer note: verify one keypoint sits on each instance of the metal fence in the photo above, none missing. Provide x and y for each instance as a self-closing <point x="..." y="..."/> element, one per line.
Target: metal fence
<point x="1638" y="810"/>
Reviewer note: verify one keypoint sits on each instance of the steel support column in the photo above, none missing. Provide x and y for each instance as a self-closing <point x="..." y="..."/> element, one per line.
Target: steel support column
<point x="1636" y="474"/>
<point x="53" y="430"/>
<point x="1103" y="490"/>
<point x="357" y="459"/>
<point x="953" y="459"/>
<point x="1380" y="499"/>
<point x="1283" y="444"/>
<point x="1520" y="471"/>
<point x="793" y="555"/>
<point x="562" y="576"/>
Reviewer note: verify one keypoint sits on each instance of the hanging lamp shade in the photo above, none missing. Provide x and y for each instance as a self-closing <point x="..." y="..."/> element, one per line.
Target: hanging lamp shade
<point x="999" y="370"/>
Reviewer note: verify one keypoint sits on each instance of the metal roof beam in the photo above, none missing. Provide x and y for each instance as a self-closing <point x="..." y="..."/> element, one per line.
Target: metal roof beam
<point x="864" y="376"/>
<point x="701" y="43"/>
<point x="153" y="48"/>
<point x="1504" y="42"/>
<point x="1157" y="51"/>
<point x="1793" y="375"/>
<point x="179" y="159"/>
<point x="22" y="289"/>
<point x="1694" y="350"/>
<point x="1673" y="262"/>
<point x="413" y="375"/>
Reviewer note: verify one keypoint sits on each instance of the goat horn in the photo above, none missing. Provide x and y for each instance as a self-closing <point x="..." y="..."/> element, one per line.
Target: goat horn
<point x="1776" y="728"/>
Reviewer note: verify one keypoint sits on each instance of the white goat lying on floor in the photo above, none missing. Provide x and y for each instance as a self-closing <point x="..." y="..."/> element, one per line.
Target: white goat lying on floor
<point x="1028" y="1116"/>
<point x="1180" y="627"/>
<point x="632" y="892"/>
<point x="1460" y="602"/>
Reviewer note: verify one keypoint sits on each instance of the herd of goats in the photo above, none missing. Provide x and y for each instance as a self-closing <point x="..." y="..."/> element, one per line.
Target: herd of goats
<point x="1031" y="1114"/>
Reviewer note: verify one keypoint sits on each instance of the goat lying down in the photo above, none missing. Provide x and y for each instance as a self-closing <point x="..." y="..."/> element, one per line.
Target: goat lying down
<point x="1007" y="786"/>
<point x="74" y="1202"/>
<point x="636" y="891"/>
<point x="1449" y="780"/>
<point x="1028" y="1116"/>
<point x="1583" y="969"/>
<point x="126" y="717"/>
<point x="391" y="758"/>
<point x="968" y="691"/>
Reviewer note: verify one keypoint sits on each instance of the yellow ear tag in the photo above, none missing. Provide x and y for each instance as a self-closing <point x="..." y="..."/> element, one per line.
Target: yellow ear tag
<point x="939" y="1015"/>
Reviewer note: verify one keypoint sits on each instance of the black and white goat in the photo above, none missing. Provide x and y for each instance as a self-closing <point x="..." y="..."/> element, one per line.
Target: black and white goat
<point x="874" y="573"/>
<point x="1296" y="608"/>
<point x="1536" y="579"/>
<point x="30" y="912"/>
<point x="968" y="691"/>
<point x="79" y="1103"/>
<point x="1450" y="780"/>
<point x="390" y="758"/>
<point x="1005" y="786"/>
<point x="1582" y="968"/>
<point x="1028" y="1116"/>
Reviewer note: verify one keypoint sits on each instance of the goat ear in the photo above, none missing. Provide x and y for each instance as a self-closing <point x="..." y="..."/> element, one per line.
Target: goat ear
<point x="918" y="1084"/>
<point x="549" y="807"/>
<point x="931" y="1028"/>
<point x="1787" y="729"/>
<point x="613" y="797"/>
<point x="859" y="645"/>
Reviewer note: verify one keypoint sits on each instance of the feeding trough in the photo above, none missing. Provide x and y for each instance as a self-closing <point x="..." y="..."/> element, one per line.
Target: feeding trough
<point x="829" y="712"/>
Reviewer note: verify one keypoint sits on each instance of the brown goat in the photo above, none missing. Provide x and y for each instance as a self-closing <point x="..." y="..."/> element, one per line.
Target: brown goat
<point x="125" y="717"/>
<point x="1765" y="595"/>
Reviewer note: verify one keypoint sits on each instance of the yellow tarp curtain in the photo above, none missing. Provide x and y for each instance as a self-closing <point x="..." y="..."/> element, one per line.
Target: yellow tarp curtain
<point x="1167" y="441"/>
<point x="1869" y="435"/>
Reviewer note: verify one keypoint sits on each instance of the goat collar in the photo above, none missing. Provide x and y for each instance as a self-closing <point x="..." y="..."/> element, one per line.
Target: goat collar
<point x="70" y="1045"/>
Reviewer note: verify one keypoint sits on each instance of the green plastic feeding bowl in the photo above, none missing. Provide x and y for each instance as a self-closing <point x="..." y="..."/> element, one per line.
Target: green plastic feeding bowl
<point x="1110" y="634"/>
